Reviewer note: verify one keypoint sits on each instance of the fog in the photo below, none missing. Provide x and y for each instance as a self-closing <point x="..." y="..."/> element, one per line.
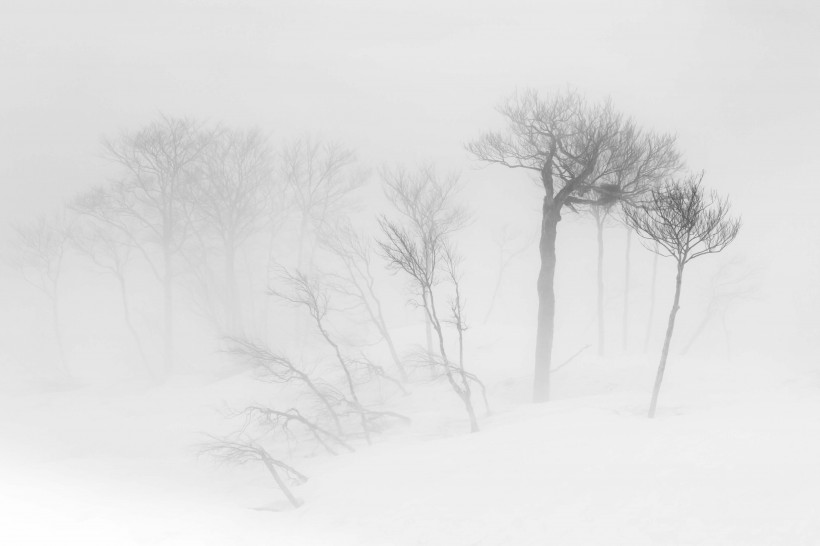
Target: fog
<point x="128" y="352"/>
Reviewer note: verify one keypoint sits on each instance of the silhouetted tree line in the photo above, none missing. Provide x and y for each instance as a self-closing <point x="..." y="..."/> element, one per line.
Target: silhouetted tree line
<point x="205" y="207"/>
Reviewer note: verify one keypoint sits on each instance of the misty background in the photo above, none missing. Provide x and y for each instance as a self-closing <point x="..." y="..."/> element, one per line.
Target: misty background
<point x="411" y="83"/>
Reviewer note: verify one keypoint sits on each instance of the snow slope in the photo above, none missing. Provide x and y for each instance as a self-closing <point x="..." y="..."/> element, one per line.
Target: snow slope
<point x="732" y="458"/>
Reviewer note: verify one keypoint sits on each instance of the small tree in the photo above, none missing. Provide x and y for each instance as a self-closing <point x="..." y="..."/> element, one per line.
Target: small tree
<point x="686" y="223"/>
<point x="309" y="294"/>
<point x="424" y="199"/>
<point x="241" y="449"/>
<point x="421" y="249"/>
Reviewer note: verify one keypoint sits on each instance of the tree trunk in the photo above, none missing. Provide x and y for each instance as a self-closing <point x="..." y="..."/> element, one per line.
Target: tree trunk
<point x="428" y="337"/>
<point x="303" y="230"/>
<point x="667" y="342"/>
<point x="58" y="335"/>
<point x="463" y="390"/>
<point x="126" y="310"/>
<point x="168" y="309"/>
<point x="283" y="486"/>
<point x="599" y="224"/>
<point x="627" y="264"/>
<point x="233" y="318"/>
<point x="651" y="301"/>
<point x="546" y="300"/>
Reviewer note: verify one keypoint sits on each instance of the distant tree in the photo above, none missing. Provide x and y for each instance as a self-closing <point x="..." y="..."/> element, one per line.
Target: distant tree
<point x="158" y="164"/>
<point x="421" y="248"/>
<point x="584" y="155"/>
<point x="425" y="201"/>
<point x="652" y="292"/>
<point x="41" y="248"/>
<point x="98" y="238"/>
<point x="319" y="176"/>
<point x="230" y="202"/>
<point x="685" y="222"/>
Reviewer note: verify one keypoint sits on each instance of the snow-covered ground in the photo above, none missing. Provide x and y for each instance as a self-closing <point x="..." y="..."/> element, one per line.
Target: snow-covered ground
<point x="732" y="458"/>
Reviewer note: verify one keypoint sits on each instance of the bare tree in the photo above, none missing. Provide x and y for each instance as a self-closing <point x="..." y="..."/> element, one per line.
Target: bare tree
<point x="320" y="176"/>
<point x="109" y="249"/>
<point x="582" y="154"/>
<point x="686" y="223"/>
<point x="158" y="167"/>
<point x="275" y="368"/>
<point x="283" y="420"/>
<point x="309" y="294"/>
<point x="421" y="249"/>
<point x="230" y="202"/>
<point x="40" y="255"/>
<point x="240" y="450"/>
<point x="425" y="202"/>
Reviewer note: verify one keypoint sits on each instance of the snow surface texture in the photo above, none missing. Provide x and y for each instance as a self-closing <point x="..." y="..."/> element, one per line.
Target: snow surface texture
<point x="731" y="458"/>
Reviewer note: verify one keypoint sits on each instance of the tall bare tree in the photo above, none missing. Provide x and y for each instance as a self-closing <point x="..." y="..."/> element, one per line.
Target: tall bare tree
<point x="683" y="222"/>
<point x="420" y="247"/>
<point x="425" y="201"/>
<point x="158" y="165"/>
<point x="320" y="176"/>
<point x="584" y="155"/>
<point x="230" y="202"/>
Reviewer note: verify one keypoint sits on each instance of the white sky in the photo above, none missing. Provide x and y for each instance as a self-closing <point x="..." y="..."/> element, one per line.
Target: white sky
<point x="412" y="81"/>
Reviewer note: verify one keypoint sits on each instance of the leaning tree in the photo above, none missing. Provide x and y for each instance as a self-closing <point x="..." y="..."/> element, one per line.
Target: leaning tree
<point x="681" y="221"/>
<point x="583" y="154"/>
